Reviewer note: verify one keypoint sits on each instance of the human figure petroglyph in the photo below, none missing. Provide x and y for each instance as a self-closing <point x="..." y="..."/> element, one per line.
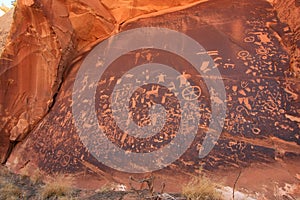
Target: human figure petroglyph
<point x="161" y="78"/>
<point x="183" y="79"/>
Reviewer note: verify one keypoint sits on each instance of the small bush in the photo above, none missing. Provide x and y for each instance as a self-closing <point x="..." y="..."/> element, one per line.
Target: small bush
<point x="58" y="188"/>
<point x="201" y="188"/>
<point x="36" y="177"/>
<point x="4" y="172"/>
<point x="10" y="192"/>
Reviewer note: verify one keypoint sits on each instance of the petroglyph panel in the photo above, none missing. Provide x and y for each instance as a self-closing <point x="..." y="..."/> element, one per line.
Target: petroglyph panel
<point x="263" y="109"/>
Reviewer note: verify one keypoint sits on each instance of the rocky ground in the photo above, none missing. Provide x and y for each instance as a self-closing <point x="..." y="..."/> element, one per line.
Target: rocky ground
<point x="249" y="184"/>
<point x="15" y="187"/>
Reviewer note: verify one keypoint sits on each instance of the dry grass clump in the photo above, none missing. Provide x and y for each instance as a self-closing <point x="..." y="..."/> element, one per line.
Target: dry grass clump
<point x="22" y="186"/>
<point x="201" y="188"/>
<point x="4" y="172"/>
<point x="36" y="176"/>
<point x="60" y="187"/>
<point x="10" y="192"/>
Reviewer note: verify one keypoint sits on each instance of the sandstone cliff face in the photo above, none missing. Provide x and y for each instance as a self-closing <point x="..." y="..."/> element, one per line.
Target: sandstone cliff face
<point x="45" y="50"/>
<point x="289" y="12"/>
<point x="41" y="46"/>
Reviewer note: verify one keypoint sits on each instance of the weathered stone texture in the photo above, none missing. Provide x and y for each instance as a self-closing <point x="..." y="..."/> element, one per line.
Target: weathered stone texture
<point x="45" y="50"/>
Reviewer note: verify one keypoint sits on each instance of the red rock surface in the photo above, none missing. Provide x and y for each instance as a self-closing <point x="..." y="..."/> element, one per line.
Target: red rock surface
<point x="289" y="12"/>
<point x="46" y="49"/>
